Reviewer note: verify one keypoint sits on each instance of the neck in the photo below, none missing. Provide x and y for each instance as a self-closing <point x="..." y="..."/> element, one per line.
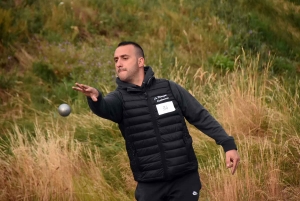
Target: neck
<point x="139" y="77"/>
<point x="139" y="80"/>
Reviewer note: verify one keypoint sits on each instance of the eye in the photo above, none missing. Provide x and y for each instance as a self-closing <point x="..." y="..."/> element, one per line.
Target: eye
<point x="116" y="60"/>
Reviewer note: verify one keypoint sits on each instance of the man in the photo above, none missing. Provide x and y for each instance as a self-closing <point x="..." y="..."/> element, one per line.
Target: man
<point x="151" y="115"/>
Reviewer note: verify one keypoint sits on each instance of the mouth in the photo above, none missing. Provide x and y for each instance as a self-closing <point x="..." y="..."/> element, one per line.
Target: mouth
<point x="121" y="69"/>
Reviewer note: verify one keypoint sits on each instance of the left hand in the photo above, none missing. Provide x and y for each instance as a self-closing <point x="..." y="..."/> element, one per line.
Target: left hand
<point x="232" y="160"/>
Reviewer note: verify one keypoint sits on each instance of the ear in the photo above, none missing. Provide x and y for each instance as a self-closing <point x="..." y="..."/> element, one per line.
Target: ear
<point x="141" y="62"/>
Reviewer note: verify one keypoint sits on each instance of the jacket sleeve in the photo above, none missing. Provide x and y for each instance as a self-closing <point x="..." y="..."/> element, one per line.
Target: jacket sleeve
<point x="198" y="116"/>
<point x="108" y="107"/>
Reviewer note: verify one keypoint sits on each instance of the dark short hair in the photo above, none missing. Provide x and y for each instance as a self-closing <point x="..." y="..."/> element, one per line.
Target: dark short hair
<point x="139" y="49"/>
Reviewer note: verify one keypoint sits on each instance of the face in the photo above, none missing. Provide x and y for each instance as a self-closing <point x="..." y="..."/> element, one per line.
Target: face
<point x="128" y="64"/>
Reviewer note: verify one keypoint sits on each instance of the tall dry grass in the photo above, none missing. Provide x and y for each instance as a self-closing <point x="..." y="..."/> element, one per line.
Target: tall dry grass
<point x="50" y="165"/>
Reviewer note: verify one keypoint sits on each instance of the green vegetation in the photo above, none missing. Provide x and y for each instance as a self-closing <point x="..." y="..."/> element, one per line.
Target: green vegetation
<point x="239" y="58"/>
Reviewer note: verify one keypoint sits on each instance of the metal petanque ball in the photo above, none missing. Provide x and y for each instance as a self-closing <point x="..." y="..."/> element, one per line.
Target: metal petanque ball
<point x="64" y="109"/>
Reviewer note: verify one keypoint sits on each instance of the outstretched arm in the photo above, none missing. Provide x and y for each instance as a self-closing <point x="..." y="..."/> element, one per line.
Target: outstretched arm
<point x="108" y="107"/>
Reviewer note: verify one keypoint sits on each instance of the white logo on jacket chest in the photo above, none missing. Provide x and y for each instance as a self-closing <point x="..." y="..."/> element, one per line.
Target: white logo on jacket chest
<point x="164" y="108"/>
<point x="160" y="98"/>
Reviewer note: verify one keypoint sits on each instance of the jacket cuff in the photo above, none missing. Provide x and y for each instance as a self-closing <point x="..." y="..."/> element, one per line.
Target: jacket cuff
<point x="229" y="145"/>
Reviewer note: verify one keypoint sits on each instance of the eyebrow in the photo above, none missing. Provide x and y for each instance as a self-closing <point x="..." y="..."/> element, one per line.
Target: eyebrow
<point x="123" y="55"/>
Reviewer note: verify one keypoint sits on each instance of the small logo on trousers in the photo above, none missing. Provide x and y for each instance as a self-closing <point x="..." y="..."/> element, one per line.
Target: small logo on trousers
<point x="195" y="193"/>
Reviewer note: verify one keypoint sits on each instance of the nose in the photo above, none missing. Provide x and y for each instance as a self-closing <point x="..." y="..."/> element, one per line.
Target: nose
<point x="119" y="63"/>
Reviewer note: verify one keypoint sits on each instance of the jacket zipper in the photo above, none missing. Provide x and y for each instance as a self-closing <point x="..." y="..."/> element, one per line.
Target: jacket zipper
<point x="157" y="135"/>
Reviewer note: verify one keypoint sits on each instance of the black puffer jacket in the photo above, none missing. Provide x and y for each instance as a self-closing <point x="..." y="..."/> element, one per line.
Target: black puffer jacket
<point x="157" y="140"/>
<point x="152" y="121"/>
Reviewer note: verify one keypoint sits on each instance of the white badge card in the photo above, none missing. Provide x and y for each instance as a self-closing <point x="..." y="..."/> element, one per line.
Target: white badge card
<point x="166" y="107"/>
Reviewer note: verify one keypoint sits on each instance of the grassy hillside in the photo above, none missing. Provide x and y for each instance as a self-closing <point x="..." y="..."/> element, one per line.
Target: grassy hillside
<point x="240" y="59"/>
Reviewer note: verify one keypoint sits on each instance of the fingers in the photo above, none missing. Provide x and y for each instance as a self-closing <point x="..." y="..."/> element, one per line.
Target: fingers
<point x="229" y="165"/>
<point x="87" y="90"/>
<point x="228" y="160"/>
<point x="77" y="89"/>
<point x="234" y="166"/>
<point x="81" y="86"/>
<point x="232" y="160"/>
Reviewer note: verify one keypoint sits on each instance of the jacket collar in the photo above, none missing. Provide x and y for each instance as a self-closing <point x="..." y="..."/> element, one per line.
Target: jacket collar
<point x="149" y="77"/>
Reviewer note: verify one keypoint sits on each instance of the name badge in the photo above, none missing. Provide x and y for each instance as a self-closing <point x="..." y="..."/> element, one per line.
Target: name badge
<point x="166" y="107"/>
